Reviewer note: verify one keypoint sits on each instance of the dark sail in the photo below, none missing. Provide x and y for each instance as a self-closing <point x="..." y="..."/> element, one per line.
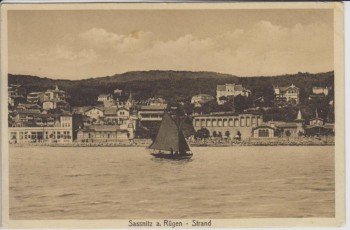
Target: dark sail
<point x="187" y="127"/>
<point x="170" y="136"/>
<point x="167" y="136"/>
<point x="183" y="146"/>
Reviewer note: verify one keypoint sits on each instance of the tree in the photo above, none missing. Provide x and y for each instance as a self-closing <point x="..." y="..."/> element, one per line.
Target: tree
<point x="288" y="133"/>
<point x="202" y="133"/>
<point x="241" y="103"/>
<point x="220" y="134"/>
<point x="238" y="135"/>
<point x="215" y="134"/>
<point x="227" y="133"/>
<point x="300" y="133"/>
<point x="278" y="132"/>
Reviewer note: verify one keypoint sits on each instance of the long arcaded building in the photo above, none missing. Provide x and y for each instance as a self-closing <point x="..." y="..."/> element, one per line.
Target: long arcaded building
<point x="228" y="123"/>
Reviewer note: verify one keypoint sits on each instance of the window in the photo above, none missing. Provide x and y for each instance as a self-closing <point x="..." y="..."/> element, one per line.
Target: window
<point x="248" y="121"/>
<point x="236" y="122"/>
<point x="208" y="123"/>
<point x="214" y="123"/>
<point x="242" y="121"/>
<point x="231" y="122"/>
<point x="225" y="122"/>
<point x="253" y="121"/>
<point x="219" y="122"/>
<point x="259" y="121"/>
<point x="263" y="133"/>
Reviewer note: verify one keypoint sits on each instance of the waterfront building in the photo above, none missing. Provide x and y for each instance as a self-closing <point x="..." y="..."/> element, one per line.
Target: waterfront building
<point x="316" y="120"/>
<point x="289" y="129"/>
<point x="44" y="128"/>
<point x="24" y="117"/>
<point x="287" y="94"/>
<point x="230" y="90"/>
<point x="106" y="133"/>
<point x="116" y="115"/>
<point x="151" y="112"/>
<point x="285" y="129"/>
<point x="228" y="123"/>
<point x="263" y="131"/>
<point x="317" y="126"/>
<point x="201" y="99"/>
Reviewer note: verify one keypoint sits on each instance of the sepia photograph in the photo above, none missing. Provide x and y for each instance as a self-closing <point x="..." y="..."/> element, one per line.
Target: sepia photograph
<point x="172" y="115"/>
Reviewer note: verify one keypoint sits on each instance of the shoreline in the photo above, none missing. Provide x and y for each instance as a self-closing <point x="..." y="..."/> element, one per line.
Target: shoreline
<point x="144" y="145"/>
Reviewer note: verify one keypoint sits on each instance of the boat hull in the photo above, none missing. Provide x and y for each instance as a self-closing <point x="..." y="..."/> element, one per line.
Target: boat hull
<point x="172" y="156"/>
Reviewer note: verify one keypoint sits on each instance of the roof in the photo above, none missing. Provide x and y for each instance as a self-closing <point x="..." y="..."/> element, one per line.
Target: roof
<point x="90" y="108"/>
<point x="282" y="124"/>
<point x="48" y="115"/>
<point x="239" y="88"/>
<point x="203" y="95"/>
<point x="320" y="87"/>
<point x="29" y="112"/>
<point x="329" y="125"/>
<point x="220" y="87"/>
<point x="35" y="93"/>
<point x="110" y="111"/>
<point x="318" y="127"/>
<point x="316" y="118"/>
<point x="103" y="128"/>
<point x="263" y="127"/>
<point x="285" y="88"/>
<point x="106" y="127"/>
<point x="122" y="108"/>
<point x="223" y="114"/>
<point x="153" y="107"/>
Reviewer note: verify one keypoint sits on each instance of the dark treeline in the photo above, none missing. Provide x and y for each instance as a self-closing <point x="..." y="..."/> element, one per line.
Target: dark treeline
<point x="174" y="86"/>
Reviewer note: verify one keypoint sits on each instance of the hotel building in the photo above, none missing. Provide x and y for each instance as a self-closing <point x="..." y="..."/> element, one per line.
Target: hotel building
<point x="223" y="123"/>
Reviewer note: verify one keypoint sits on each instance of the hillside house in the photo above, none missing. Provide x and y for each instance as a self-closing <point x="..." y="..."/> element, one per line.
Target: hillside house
<point x="230" y="90"/>
<point x="287" y="94"/>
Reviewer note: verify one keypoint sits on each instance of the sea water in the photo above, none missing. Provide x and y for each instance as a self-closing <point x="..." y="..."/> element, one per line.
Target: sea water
<point x="218" y="182"/>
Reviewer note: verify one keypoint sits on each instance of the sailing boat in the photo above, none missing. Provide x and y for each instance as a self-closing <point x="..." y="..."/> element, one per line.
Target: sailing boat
<point x="170" y="141"/>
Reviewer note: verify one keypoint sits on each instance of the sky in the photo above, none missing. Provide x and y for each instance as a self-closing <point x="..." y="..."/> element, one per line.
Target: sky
<point x="78" y="44"/>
